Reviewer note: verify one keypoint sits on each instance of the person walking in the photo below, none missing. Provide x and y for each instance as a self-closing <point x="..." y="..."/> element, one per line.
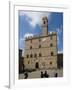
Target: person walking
<point x="26" y="75"/>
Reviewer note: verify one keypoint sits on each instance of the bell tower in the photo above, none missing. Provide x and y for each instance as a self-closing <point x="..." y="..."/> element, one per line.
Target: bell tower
<point x="44" y="26"/>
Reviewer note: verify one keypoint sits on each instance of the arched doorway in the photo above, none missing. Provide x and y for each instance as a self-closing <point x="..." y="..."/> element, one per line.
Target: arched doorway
<point x="37" y="65"/>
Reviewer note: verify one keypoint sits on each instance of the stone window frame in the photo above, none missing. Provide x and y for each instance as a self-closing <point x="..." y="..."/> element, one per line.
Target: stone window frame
<point x="39" y="46"/>
<point x="27" y="55"/>
<point x="31" y="55"/>
<point x="50" y="62"/>
<point x="52" y="53"/>
<point x="28" y="62"/>
<point x="30" y="47"/>
<point x="44" y="22"/>
<point x="51" y="44"/>
<point x="40" y="55"/>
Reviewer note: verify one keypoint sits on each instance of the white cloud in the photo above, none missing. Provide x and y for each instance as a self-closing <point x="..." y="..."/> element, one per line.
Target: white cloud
<point x="58" y="40"/>
<point x="34" y="18"/>
<point x="59" y="31"/>
<point x="21" y="41"/>
<point x="28" y="35"/>
<point x="50" y="32"/>
<point x="60" y="52"/>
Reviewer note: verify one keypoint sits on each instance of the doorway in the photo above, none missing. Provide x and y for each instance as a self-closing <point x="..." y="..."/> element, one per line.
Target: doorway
<point x="37" y="65"/>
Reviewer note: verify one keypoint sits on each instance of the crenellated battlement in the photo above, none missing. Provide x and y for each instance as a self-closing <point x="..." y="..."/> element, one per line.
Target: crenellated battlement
<point x="40" y="36"/>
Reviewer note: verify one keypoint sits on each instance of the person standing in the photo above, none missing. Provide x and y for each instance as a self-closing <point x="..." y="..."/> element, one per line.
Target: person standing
<point x="42" y="74"/>
<point x="46" y="75"/>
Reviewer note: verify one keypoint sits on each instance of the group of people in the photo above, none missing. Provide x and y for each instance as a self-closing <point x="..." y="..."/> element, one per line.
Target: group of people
<point x="44" y="75"/>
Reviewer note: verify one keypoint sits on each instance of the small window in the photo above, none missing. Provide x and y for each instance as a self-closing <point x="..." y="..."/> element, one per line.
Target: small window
<point x="27" y="56"/>
<point x="44" y="22"/>
<point x="39" y="46"/>
<point x="28" y="62"/>
<point x="30" y="47"/>
<point x="51" y="53"/>
<point x="51" y="45"/>
<point x="40" y="55"/>
<point x="31" y="55"/>
<point x="50" y="63"/>
<point x="35" y="55"/>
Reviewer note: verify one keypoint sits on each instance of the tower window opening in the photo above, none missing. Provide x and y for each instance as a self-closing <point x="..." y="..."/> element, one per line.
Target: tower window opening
<point x="28" y="62"/>
<point x="39" y="46"/>
<point x="50" y="63"/>
<point x="44" y="22"/>
<point x="52" y="53"/>
<point x="30" y="47"/>
<point x="51" y="45"/>
<point x="27" y="56"/>
<point x="31" y="55"/>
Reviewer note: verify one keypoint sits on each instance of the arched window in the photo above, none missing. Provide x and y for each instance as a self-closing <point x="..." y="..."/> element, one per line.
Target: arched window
<point x="31" y="55"/>
<point x="27" y="56"/>
<point x="44" y="21"/>
<point x="39" y="46"/>
<point x="51" y="45"/>
<point x="30" y="47"/>
<point x="28" y="62"/>
<point x="52" y="53"/>
<point x="50" y="63"/>
<point x="40" y="55"/>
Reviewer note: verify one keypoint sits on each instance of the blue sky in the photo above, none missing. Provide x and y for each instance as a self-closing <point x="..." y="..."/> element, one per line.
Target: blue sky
<point x="30" y="24"/>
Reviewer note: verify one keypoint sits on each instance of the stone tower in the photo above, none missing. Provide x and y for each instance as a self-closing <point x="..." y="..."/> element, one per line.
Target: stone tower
<point x="44" y="26"/>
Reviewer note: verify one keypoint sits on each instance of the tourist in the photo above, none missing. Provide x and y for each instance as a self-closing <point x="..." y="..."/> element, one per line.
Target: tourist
<point x="46" y="75"/>
<point x="26" y="75"/>
<point x="56" y="75"/>
<point x="42" y="74"/>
